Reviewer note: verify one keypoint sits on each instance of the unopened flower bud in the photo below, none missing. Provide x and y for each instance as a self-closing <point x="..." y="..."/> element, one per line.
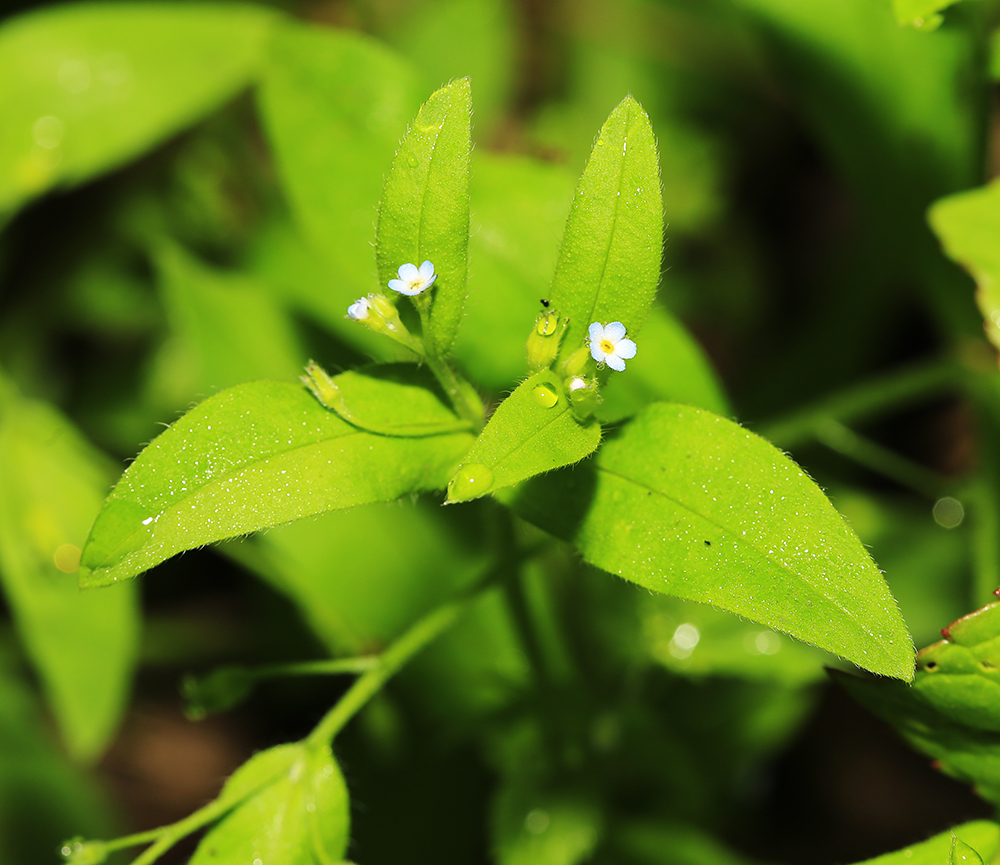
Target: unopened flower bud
<point x="543" y="343"/>
<point x="378" y="313"/>
<point x="583" y="396"/>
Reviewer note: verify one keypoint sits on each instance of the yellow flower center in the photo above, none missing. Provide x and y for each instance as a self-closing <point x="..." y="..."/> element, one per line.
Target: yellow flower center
<point x="607" y="346"/>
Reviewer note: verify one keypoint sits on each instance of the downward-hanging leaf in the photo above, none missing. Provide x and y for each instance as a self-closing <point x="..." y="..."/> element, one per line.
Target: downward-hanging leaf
<point x="424" y="214"/>
<point x="609" y="263"/>
<point x="82" y="644"/>
<point x="534" y="430"/>
<point x="255" y="455"/>
<point x="689" y="504"/>
<point x="91" y="85"/>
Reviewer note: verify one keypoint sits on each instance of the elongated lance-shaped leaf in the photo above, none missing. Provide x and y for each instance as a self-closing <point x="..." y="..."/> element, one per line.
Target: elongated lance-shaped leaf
<point x="609" y="263"/>
<point x="424" y="215"/>
<point x="971" y="842"/>
<point x="255" y="455"/>
<point x="687" y="503"/>
<point x="533" y="431"/>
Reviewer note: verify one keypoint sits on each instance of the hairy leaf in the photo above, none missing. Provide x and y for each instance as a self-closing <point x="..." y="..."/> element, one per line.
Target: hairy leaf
<point x="424" y="214"/>
<point x="534" y="430"/>
<point x="91" y="85"/>
<point x="255" y="455"/>
<point x="689" y="504"/>
<point x="83" y="645"/>
<point x="609" y="263"/>
<point x="980" y="838"/>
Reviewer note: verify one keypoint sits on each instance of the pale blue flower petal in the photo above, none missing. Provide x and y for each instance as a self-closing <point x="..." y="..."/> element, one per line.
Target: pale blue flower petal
<point x="614" y="331"/>
<point x="398" y="285"/>
<point x="625" y="348"/>
<point x="408" y="272"/>
<point x="596" y="331"/>
<point x="426" y="271"/>
<point x="595" y="351"/>
<point x="615" y="362"/>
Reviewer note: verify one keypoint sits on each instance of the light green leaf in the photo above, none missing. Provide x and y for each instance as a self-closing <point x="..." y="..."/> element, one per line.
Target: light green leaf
<point x="424" y="214"/>
<point x="962" y="853"/>
<point x="394" y="564"/>
<point x="224" y="329"/>
<point x="921" y="14"/>
<point x="255" y="455"/>
<point x="91" y="85"/>
<point x="536" y="828"/>
<point x="519" y="209"/>
<point x="979" y="835"/>
<point x="392" y="399"/>
<point x="299" y="817"/>
<point x="83" y="645"/>
<point x="968" y="226"/>
<point x="534" y="430"/>
<point x="669" y="366"/>
<point x="689" y="504"/>
<point x="334" y="106"/>
<point x="609" y="263"/>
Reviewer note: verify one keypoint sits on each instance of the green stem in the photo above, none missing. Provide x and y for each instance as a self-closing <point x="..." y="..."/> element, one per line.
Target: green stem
<point x="388" y="664"/>
<point x="170" y="835"/>
<point x="885" y="462"/>
<point x="458" y="391"/>
<point x="330" y="667"/>
<point x="872" y="398"/>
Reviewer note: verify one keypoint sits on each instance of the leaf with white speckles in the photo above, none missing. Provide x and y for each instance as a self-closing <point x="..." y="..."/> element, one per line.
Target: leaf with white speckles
<point x="687" y="503"/>
<point x="253" y="456"/>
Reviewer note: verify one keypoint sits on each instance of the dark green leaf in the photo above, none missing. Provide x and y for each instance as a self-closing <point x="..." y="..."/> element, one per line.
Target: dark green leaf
<point x="424" y="214"/>
<point x="534" y="430"/>
<point x="252" y="456"/>
<point x="91" y="85"/>
<point x="83" y="645"/>
<point x="335" y="105"/>
<point x="689" y="504"/>
<point x="609" y="263"/>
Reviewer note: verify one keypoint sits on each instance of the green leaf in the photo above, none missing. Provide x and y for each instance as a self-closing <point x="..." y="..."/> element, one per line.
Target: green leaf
<point x="669" y="367"/>
<point x="534" y="828"/>
<point x="424" y="214"/>
<point x="979" y="835"/>
<point x="966" y="753"/>
<point x="968" y="225"/>
<point x="921" y="14"/>
<point x="519" y="209"/>
<point x="83" y="645"/>
<point x="609" y="263"/>
<point x="689" y="504"/>
<point x="92" y="85"/>
<point x="255" y="455"/>
<point x="962" y="853"/>
<point x="534" y="430"/>
<point x="392" y="399"/>
<point x="334" y="106"/>
<point x="300" y="816"/>
<point x="224" y="329"/>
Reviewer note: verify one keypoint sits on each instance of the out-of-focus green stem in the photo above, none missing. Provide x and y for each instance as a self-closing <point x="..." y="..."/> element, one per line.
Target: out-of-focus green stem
<point x="869" y="399"/>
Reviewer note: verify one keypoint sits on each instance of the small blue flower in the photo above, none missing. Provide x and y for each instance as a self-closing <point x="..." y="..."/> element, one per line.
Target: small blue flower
<point x="360" y="309"/>
<point x="412" y="279"/>
<point x="609" y="345"/>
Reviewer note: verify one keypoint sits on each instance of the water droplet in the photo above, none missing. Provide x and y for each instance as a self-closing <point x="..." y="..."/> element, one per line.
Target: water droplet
<point x="470" y="482"/>
<point x="545" y="395"/>
<point x="413" y="161"/>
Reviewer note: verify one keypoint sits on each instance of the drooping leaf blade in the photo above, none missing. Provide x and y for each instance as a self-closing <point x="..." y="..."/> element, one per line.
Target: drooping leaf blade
<point x="686" y="503"/>
<point x="609" y="263"/>
<point x="424" y="214"/>
<point x="335" y="105"/>
<point x="255" y="455"/>
<point x="91" y="85"/>
<point x="982" y="836"/>
<point x="534" y="430"/>
<point x="83" y="645"/>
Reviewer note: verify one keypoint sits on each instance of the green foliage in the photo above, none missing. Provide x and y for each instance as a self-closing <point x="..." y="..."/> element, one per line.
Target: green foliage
<point x="96" y="85"/>
<point x="609" y="261"/>
<point x="82" y="645"/>
<point x="424" y="214"/>
<point x="971" y="842"/>
<point x="664" y="506"/>
<point x="252" y="456"/>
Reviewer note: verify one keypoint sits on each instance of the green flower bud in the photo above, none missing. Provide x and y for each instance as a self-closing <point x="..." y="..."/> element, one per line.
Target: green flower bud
<point x="583" y="396"/>
<point x="378" y="313"/>
<point x="543" y="343"/>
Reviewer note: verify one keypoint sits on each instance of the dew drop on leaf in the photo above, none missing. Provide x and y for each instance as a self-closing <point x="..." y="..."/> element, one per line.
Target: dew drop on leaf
<point x="545" y="395"/>
<point x="470" y="481"/>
